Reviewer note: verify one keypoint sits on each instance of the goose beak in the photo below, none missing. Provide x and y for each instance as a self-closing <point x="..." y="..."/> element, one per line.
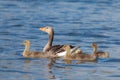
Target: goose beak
<point x="42" y="29"/>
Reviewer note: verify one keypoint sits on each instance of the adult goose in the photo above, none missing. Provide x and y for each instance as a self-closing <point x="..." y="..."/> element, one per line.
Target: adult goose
<point x="56" y="49"/>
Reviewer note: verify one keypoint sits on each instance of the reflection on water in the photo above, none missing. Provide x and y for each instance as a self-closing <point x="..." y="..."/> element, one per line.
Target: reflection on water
<point x="76" y="22"/>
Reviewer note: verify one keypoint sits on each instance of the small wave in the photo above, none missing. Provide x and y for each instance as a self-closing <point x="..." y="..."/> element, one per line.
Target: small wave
<point x="113" y="60"/>
<point x="16" y="71"/>
<point x="115" y="75"/>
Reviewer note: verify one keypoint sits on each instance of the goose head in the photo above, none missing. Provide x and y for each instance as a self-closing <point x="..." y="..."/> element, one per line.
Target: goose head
<point x="47" y="29"/>
<point x="94" y="44"/>
<point x="26" y="42"/>
<point x="66" y="47"/>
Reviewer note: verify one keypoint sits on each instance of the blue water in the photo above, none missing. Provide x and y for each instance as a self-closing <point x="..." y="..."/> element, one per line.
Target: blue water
<point x="75" y="22"/>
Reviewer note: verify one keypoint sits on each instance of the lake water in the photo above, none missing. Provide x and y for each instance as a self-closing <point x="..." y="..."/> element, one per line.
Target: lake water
<point x="75" y="22"/>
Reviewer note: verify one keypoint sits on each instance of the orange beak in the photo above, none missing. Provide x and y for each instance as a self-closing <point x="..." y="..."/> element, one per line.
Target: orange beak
<point x="42" y="29"/>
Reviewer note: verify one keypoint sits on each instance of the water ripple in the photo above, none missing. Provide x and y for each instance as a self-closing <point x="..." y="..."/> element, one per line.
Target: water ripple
<point x="16" y="71"/>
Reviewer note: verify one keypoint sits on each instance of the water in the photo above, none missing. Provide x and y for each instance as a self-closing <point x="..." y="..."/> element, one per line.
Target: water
<point x="76" y="22"/>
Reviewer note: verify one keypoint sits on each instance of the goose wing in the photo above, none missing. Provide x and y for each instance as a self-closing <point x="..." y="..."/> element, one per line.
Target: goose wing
<point x="58" y="50"/>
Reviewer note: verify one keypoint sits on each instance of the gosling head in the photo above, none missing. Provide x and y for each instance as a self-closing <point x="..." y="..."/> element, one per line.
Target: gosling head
<point x="94" y="44"/>
<point x="66" y="46"/>
<point x="26" y="42"/>
<point x="47" y="29"/>
<point x="78" y="51"/>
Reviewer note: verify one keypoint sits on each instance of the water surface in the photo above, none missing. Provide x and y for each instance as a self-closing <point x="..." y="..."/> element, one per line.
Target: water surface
<point x="75" y="22"/>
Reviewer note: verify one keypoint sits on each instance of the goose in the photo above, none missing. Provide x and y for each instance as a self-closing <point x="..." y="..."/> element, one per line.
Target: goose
<point x="100" y="54"/>
<point x="34" y="54"/>
<point x="79" y="55"/>
<point x="56" y="49"/>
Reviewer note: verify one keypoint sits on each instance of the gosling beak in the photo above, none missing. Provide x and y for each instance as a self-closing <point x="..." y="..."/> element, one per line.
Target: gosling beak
<point x="42" y="29"/>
